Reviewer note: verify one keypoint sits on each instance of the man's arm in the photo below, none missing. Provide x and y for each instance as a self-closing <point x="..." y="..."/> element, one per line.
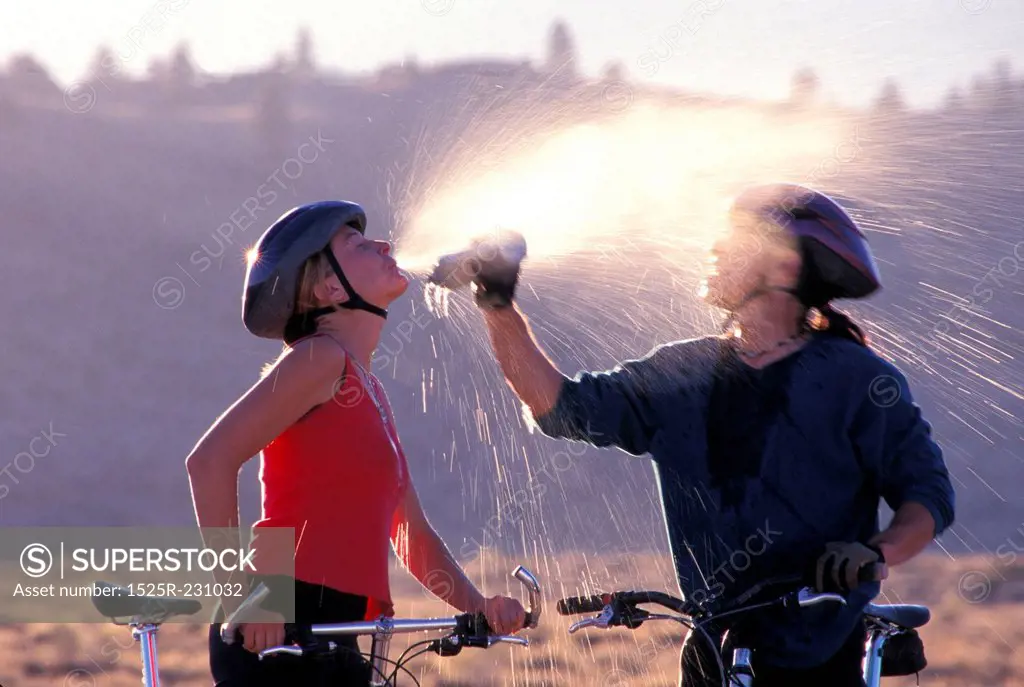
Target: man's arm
<point x="613" y="408"/>
<point x="911" y="530"/>
<point x="911" y="473"/>
<point x="533" y="377"/>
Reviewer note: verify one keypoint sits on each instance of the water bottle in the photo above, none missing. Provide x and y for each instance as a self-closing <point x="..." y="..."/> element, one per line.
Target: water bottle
<point x="503" y="250"/>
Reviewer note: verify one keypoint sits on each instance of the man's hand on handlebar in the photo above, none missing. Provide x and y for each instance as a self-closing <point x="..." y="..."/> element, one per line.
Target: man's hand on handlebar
<point x="504" y="614"/>
<point x="845" y="565"/>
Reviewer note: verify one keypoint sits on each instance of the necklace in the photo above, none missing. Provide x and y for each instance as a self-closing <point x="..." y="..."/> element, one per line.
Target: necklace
<point x="367" y="381"/>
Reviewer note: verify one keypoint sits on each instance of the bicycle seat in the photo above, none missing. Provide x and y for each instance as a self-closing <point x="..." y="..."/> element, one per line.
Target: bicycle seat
<point x="117" y="603"/>
<point x="909" y="616"/>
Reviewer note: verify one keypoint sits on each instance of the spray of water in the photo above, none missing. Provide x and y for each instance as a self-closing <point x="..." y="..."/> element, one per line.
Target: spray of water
<point x="617" y="213"/>
<point x="654" y="179"/>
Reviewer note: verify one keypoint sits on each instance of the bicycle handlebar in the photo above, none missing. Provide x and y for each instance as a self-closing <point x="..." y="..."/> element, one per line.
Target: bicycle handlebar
<point x="536" y="600"/>
<point x="574" y="605"/>
<point x="229" y="628"/>
<point x="467" y="624"/>
<point x="621" y="607"/>
<point x="469" y="629"/>
<point x="873" y="572"/>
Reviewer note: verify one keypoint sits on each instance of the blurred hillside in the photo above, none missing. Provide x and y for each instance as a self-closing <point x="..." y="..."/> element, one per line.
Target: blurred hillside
<point x="124" y="213"/>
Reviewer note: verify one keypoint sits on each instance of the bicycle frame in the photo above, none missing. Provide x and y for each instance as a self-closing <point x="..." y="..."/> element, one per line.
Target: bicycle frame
<point x="145" y="635"/>
<point x="742" y="675"/>
<point x="873" y="657"/>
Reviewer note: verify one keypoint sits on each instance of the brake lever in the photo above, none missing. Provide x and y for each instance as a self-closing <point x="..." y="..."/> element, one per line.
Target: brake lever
<point x="807" y="597"/>
<point x="292" y="650"/>
<point x="602" y="620"/>
<point x="507" y="639"/>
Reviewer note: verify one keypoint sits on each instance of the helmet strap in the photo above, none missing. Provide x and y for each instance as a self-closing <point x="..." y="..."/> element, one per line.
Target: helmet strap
<point x="354" y="302"/>
<point x="762" y="290"/>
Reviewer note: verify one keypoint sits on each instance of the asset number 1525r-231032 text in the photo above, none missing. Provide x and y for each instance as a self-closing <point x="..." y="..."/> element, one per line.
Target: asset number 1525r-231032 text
<point x="188" y="589"/>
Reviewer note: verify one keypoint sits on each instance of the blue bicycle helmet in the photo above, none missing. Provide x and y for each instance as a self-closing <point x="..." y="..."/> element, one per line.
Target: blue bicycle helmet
<point x="272" y="277"/>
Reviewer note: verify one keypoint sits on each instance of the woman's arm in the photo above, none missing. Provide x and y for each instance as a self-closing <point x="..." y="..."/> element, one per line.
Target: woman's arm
<point x="425" y="555"/>
<point x="300" y="380"/>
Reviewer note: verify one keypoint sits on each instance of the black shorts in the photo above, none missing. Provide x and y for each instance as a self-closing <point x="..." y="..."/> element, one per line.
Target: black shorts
<point x="233" y="666"/>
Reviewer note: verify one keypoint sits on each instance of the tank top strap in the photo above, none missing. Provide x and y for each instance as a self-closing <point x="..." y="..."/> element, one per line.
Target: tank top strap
<point x="340" y="384"/>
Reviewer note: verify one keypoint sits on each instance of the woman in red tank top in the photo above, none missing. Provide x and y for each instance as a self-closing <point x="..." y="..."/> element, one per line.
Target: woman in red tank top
<point x="333" y="472"/>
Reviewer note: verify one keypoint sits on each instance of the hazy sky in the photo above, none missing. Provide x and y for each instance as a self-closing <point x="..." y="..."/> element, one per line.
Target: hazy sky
<point x="747" y="47"/>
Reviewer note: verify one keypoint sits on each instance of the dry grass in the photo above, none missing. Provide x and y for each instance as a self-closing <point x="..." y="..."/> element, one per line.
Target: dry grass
<point x="967" y="644"/>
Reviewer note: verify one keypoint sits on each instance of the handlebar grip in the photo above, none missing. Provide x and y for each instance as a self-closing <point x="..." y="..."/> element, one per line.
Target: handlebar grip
<point x="229" y="628"/>
<point x="575" y="605"/>
<point x="483" y="628"/>
<point x="871" y="573"/>
<point x="297" y="634"/>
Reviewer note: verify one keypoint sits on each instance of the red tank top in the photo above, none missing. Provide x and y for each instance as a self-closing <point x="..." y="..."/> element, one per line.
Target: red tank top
<point x="336" y="476"/>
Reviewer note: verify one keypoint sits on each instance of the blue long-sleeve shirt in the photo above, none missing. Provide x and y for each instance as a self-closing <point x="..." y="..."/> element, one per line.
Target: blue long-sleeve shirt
<point x="849" y="435"/>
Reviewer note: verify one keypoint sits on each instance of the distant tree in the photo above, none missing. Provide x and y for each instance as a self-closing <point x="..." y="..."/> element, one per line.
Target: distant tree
<point x="105" y="66"/>
<point x="805" y="86"/>
<point x="1002" y="87"/>
<point x="9" y="112"/>
<point x="561" y="53"/>
<point x="954" y="101"/>
<point x="181" y="71"/>
<point x="273" y="114"/>
<point x="891" y="98"/>
<point x="304" y="66"/>
<point x="411" y="65"/>
<point x="981" y="92"/>
<point x="614" y="71"/>
<point x="280" y="65"/>
<point x="25" y="75"/>
<point x="1002" y="73"/>
<point x="158" y="71"/>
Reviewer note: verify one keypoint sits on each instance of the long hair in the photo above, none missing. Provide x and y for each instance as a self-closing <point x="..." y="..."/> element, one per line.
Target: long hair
<point x="314" y="271"/>
<point x="835" y="323"/>
<point x="815" y="293"/>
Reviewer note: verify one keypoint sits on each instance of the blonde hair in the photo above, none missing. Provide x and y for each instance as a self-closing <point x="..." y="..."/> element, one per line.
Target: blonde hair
<point x="313" y="272"/>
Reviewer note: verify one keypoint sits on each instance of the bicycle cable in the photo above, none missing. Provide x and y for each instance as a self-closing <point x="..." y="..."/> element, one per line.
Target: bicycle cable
<point x="765" y="604"/>
<point x="716" y="650"/>
<point x="404" y="658"/>
<point x="390" y="681"/>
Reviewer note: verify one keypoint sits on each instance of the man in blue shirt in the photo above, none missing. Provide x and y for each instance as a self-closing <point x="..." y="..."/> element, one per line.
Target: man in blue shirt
<point x="772" y="444"/>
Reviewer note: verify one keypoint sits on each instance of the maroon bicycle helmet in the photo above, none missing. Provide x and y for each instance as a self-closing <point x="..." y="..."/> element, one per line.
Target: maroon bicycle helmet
<point x="837" y="261"/>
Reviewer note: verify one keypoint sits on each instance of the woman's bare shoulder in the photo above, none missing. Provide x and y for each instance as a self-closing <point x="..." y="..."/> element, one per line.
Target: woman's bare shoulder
<point x="313" y="359"/>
